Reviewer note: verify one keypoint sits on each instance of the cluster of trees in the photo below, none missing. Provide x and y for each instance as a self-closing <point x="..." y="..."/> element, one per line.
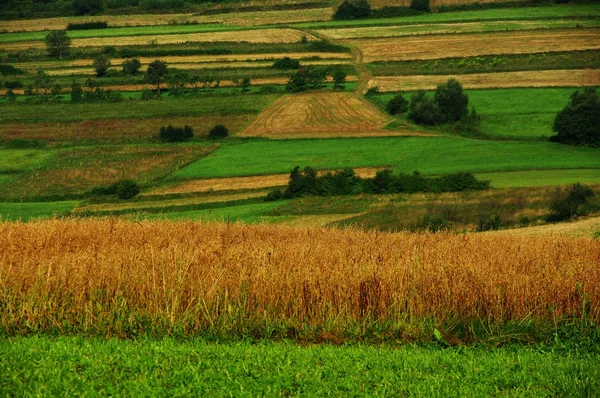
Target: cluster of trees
<point x="579" y="122"/>
<point x="123" y="189"/>
<point x="346" y="182"/>
<point x="568" y="204"/>
<point x="313" y="79"/>
<point x="186" y="133"/>
<point x="360" y="9"/>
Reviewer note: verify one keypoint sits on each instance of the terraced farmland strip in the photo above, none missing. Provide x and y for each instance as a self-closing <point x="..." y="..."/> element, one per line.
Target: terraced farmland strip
<point x="552" y="78"/>
<point x="318" y="115"/>
<point x="248" y="36"/>
<point x="452" y="28"/>
<point x="256" y="18"/>
<point x="467" y="45"/>
<point x="241" y="183"/>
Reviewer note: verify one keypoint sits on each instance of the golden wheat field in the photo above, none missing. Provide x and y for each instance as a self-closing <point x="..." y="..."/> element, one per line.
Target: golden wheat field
<point x="274" y="35"/>
<point x="252" y="18"/>
<point x="319" y="115"/>
<point x="109" y="276"/>
<point x="467" y="45"/>
<point x="546" y="78"/>
<point x="240" y="183"/>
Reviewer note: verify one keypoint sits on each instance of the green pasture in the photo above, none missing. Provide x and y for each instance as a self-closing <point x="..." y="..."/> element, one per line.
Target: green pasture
<point x="47" y="366"/>
<point x="506" y="14"/>
<point x="18" y="160"/>
<point x="124" y="31"/>
<point x="27" y="211"/>
<point x="246" y="213"/>
<point x="164" y="107"/>
<point x="430" y="155"/>
<point x="534" y="178"/>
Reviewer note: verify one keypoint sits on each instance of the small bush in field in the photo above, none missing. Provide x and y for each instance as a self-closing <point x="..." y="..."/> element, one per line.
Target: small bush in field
<point x="176" y="134"/>
<point x="219" y="131"/>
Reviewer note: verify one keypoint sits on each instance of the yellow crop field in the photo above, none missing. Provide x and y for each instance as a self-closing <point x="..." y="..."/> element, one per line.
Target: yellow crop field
<point x="111" y="276"/>
<point x="319" y="115"/>
<point x="254" y="18"/>
<point x="467" y="45"/>
<point x="242" y="183"/>
<point x="547" y="78"/>
<point x="250" y="36"/>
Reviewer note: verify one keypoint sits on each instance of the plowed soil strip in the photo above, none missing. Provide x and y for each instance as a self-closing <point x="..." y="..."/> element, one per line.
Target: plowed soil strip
<point x="549" y="78"/>
<point x="317" y="115"/>
<point x="239" y="183"/>
<point x="246" y="36"/>
<point x="467" y="45"/>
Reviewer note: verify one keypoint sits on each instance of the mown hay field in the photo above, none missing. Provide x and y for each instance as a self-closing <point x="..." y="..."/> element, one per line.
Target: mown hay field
<point x="467" y="45"/>
<point x="255" y="18"/>
<point x="319" y="115"/>
<point x="109" y="276"/>
<point x="274" y="35"/>
<point x="452" y="28"/>
<point x="550" y="78"/>
<point x="241" y="183"/>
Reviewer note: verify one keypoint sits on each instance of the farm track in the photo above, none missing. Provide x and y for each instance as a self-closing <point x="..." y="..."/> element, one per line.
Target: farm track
<point x="551" y="78"/>
<point x="240" y="183"/>
<point x="467" y="45"/>
<point x="319" y="115"/>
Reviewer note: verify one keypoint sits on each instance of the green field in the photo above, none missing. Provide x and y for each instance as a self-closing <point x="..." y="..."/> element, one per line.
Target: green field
<point x="245" y="213"/>
<point x="28" y="211"/>
<point x="503" y="14"/>
<point x="18" y="160"/>
<point x="60" y="113"/>
<point x="534" y="178"/>
<point x="41" y="366"/>
<point x="430" y="155"/>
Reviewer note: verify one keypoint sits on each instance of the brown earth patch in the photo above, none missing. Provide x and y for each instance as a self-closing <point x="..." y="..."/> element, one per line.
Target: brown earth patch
<point x="319" y="115"/>
<point x="240" y="183"/>
<point x="550" y="78"/>
<point x="119" y="129"/>
<point x="467" y="45"/>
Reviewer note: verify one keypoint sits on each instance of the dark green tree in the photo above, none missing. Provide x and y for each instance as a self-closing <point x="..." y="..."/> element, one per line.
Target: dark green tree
<point x="353" y="9"/>
<point x="101" y="64"/>
<point x="579" y="122"/>
<point x="339" y="79"/>
<point x="423" y="110"/>
<point x="176" y="134"/>
<point x="397" y="105"/>
<point x="565" y="205"/>
<point x="286" y="63"/>
<point x="420" y="5"/>
<point x="58" y="43"/>
<point x="451" y="100"/>
<point x="156" y="73"/>
<point x="76" y="92"/>
<point x="91" y="7"/>
<point x="131" y="67"/>
<point x="219" y="131"/>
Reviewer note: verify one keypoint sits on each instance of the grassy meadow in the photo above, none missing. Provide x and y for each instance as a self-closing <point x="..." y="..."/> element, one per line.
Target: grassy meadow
<point x="197" y="285"/>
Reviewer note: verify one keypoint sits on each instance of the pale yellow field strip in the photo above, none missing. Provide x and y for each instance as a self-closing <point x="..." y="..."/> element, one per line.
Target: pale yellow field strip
<point x="306" y="56"/>
<point x="450" y="28"/>
<point x="546" y="78"/>
<point x="246" y="36"/>
<point x="317" y="114"/>
<point x="467" y="45"/>
<point x="240" y="183"/>
<point x="580" y="228"/>
<point x="210" y="65"/>
<point x="170" y="202"/>
<point x="254" y="18"/>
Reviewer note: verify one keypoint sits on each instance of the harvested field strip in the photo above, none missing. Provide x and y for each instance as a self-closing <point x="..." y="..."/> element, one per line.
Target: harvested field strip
<point x="186" y="59"/>
<point x="113" y="277"/>
<point x="210" y="65"/>
<point x="453" y="28"/>
<point x="317" y="114"/>
<point x="239" y="183"/>
<point x="248" y="36"/>
<point x="141" y="205"/>
<point x="120" y="129"/>
<point x="466" y="45"/>
<point x="552" y="78"/>
<point x="241" y="19"/>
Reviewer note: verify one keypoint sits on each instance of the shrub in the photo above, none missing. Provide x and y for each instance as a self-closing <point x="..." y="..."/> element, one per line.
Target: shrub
<point x="9" y="70"/>
<point x="132" y="67"/>
<point x="353" y="9"/>
<point x="423" y="110"/>
<point x="579" y="122"/>
<point x="566" y="205"/>
<point x="87" y="25"/>
<point x="101" y="64"/>
<point x="126" y="189"/>
<point x="268" y="89"/>
<point x="435" y="223"/>
<point x="420" y="5"/>
<point x="326" y="46"/>
<point x="13" y="84"/>
<point x="219" y="131"/>
<point x="489" y="223"/>
<point x="274" y="195"/>
<point x="397" y="105"/>
<point x="286" y="63"/>
<point x="176" y="134"/>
